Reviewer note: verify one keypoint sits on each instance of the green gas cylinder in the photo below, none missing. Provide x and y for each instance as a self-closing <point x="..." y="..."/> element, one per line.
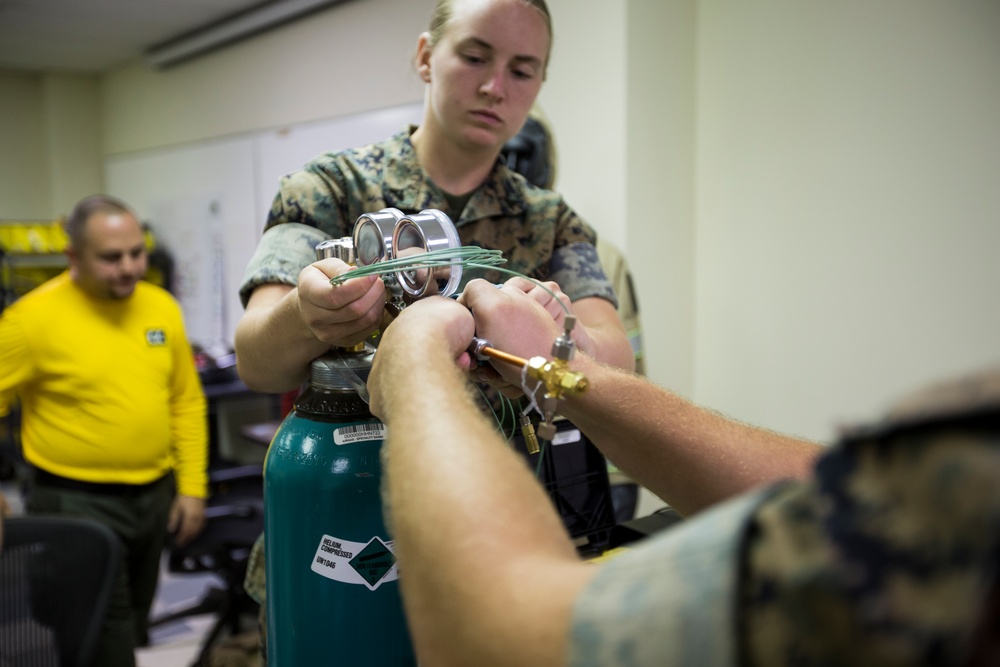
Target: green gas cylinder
<point x="332" y="579"/>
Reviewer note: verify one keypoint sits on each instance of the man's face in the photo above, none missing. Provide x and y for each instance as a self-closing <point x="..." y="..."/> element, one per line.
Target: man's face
<point x="111" y="257"/>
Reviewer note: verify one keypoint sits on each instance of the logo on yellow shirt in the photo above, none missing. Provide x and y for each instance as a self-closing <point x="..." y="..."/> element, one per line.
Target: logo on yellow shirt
<point x="156" y="337"/>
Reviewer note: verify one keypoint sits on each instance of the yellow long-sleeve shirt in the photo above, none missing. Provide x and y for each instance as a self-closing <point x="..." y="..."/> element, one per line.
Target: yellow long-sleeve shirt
<point x="108" y="388"/>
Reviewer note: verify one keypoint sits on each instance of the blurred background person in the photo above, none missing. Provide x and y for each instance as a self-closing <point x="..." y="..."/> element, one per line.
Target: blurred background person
<point x="113" y="416"/>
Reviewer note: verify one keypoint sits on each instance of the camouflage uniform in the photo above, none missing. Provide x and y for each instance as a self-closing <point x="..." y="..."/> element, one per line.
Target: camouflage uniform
<point x="888" y="555"/>
<point x="617" y="269"/>
<point x="539" y="235"/>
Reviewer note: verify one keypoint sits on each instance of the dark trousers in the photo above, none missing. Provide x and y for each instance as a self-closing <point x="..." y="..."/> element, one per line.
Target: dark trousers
<point x="138" y="516"/>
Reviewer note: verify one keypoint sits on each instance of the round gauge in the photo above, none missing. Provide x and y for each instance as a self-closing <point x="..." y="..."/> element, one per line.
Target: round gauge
<point x="419" y="234"/>
<point x="373" y="235"/>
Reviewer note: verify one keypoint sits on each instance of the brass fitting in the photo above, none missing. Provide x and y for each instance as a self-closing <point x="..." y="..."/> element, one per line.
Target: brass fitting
<point x="528" y="431"/>
<point x="558" y="379"/>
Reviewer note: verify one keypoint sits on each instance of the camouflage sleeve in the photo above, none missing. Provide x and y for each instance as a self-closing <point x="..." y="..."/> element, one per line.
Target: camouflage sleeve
<point x="312" y="196"/>
<point x="284" y="250"/>
<point x="669" y="601"/>
<point x="254" y="582"/>
<point x="884" y="560"/>
<point x="577" y="269"/>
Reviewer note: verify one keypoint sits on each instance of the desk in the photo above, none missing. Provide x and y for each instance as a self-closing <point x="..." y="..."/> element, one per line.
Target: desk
<point x="227" y="388"/>
<point x="261" y="432"/>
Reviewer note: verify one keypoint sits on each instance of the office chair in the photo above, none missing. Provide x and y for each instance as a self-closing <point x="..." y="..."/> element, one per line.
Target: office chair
<point x="235" y="517"/>
<point x="56" y="578"/>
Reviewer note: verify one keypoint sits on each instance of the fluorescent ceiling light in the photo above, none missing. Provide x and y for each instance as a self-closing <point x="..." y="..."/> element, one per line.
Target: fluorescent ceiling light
<point x="231" y="29"/>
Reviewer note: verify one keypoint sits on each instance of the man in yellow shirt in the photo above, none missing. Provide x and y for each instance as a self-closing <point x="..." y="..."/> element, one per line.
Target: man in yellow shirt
<point x="112" y="410"/>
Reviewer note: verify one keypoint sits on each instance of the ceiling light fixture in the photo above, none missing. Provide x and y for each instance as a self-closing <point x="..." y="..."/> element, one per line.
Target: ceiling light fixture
<point x="233" y="28"/>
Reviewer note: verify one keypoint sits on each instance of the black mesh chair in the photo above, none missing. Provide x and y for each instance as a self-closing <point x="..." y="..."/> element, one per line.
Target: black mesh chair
<point x="56" y="577"/>
<point x="235" y="517"/>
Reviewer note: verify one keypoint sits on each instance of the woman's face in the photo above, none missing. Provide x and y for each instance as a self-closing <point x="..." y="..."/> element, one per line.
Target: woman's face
<point x="485" y="72"/>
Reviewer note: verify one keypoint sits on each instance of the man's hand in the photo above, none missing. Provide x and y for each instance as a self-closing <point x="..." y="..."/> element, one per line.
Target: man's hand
<point x="425" y="332"/>
<point x="187" y="519"/>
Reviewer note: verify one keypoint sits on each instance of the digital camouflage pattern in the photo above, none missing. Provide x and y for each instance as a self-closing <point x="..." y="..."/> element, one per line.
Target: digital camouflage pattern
<point x="538" y="233"/>
<point x="667" y="602"/>
<point x="616" y="268"/>
<point x="280" y="256"/>
<point x="887" y="556"/>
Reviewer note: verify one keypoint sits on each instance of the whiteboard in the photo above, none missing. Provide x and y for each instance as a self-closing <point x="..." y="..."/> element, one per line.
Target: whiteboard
<point x="207" y="203"/>
<point x="199" y="202"/>
<point x="280" y="152"/>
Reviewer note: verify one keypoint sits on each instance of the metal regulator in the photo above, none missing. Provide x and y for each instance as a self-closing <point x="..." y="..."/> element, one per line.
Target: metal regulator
<point x="332" y="577"/>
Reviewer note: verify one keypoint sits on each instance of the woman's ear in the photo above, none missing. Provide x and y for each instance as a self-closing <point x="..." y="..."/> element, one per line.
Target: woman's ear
<point x="424" y="56"/>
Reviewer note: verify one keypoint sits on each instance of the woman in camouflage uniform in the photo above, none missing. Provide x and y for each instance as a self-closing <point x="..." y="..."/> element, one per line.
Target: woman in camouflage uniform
<point x="483" y="63"/>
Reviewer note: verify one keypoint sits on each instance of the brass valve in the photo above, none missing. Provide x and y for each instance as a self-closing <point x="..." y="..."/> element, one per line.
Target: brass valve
<point x="528" y="431"/>
<point x="558" y="379"/>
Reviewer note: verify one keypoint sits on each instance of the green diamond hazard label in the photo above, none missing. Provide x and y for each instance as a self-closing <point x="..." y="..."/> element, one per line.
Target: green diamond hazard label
<point x="368" y="564"/>
<point x="374" y="561"/>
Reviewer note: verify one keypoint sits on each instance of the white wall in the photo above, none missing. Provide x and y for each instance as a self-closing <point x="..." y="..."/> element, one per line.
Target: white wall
<point x="351" y="58"/>
<point x="584" y="98"/>
<point x="808" y="191"/>
<point x="198" y="148"/>
<point x="660" y="158"/>
<point x="72" y="115"/>
<point x="24" y="179"/>
<point x="50" y="153"/>
<point x="207" y="202"/>
<point x="199" y="201"/>
<point x="848" y="204"/>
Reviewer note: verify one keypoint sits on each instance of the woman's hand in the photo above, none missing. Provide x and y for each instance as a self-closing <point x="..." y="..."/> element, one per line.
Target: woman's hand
<point x="344" y="314"/>
<point x="513" y="322"/>
<point x="551" y="297"/>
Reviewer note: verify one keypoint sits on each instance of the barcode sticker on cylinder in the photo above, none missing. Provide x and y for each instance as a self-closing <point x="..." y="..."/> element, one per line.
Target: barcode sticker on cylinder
<point x="369" y="563"/>
<point x="345" y="435"/>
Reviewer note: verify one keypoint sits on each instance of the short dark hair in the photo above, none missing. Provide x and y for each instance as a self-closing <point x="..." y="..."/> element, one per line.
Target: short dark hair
<point x="87" y="207"/>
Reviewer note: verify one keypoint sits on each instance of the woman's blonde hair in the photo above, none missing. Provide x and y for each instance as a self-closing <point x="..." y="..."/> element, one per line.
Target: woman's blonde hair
<point x="444" y="9"/>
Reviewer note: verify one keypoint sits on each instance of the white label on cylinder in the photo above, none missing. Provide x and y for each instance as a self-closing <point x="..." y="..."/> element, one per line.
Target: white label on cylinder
<point x="346" y="435"/>
<point x="370" y="563"/>
<point x="566" y="437"/>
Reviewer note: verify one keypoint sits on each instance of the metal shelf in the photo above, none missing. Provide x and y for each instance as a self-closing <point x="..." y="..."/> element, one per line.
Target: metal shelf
<point x="36" y="260"/>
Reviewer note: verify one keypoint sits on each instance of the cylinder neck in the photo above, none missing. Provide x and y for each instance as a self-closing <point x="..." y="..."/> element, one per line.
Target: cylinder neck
<point x="342" y="369"/>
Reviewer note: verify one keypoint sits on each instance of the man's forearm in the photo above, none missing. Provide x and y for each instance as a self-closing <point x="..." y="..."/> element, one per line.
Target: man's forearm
<point x="689" y="456"/>
<point x="190" y="454"/>
<point x="612" y="347"/>
<point x="188" y="424"/>
<point x="472" y="527"/>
